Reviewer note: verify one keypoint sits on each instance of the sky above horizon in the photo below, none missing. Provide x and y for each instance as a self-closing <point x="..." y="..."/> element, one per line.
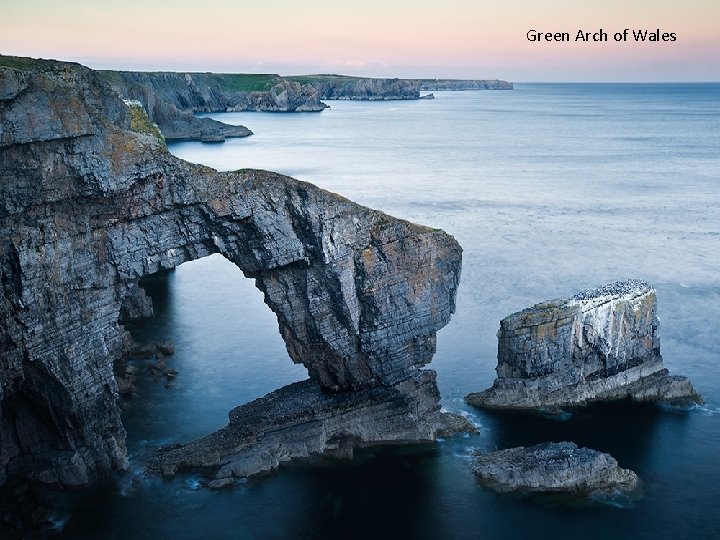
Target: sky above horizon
<point x="391" y="38"/>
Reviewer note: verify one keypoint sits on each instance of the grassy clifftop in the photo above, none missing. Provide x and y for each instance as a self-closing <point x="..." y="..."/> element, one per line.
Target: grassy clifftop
<point x="22" y="63"/>
<point x="246" y="82"/>
<point x="314" y="79"/>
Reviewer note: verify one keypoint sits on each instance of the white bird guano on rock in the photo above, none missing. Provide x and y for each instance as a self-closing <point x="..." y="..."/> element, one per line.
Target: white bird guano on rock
<point x="598" y="345"/>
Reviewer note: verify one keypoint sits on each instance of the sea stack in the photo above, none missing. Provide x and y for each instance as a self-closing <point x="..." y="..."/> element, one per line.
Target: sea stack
<point x="598" y="345"/>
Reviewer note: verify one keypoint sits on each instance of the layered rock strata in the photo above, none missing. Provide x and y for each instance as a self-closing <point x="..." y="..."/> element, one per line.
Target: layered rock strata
<point x="599" y="345"/>
<point x="365" y="89"/>
<point x="554" y="468"/>
<point x="464" y="84"/>
<point x="88" y="207"/>
<point x="171" y="99"/>
<point x="377" y="89"/>
<point x="303" y="420"/>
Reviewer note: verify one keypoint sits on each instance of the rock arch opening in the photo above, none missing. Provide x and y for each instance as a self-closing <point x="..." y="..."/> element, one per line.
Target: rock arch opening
<point x="88" y="207"/>
<point x="227" y="351"/>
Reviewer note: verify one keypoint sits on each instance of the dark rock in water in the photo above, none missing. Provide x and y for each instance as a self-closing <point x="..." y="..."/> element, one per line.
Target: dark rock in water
<point x="221" y="483"/>
<point x="24" y="513"/>
<point x="137" y="305"/>
<point x="454" y="424"/>
<point x="157" y="367"/>
<point x="151" y="350"/>
<point x="88" y="207"/>
<point x="165" y="348"/>
<point x="554" y="468"/>
<point x="126" y="384"/>
<point x="303" y="420"/>
<point x="599" y="345"/>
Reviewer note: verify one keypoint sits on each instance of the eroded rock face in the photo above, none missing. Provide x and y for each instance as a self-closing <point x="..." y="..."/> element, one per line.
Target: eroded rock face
<point x="368" y="89"/>
<point x="88" y="207"/>
<point x="172" y="98"/>
<point x="462" y="84"/>
<point x="554" y="468"/>
<point x="302" y="420"/>
<point x="599" y="345"/>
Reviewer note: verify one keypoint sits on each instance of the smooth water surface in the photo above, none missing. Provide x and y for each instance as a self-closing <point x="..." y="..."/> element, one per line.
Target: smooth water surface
<point x="549" y="189"/>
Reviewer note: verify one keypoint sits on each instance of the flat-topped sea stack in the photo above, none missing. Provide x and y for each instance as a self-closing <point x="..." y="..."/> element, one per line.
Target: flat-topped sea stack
<point x="598" y="345"/>
<point x="554" y="468"/>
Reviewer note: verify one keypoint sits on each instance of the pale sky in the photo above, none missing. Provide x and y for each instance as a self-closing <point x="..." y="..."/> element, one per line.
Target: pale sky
<point x="397" y="38"/>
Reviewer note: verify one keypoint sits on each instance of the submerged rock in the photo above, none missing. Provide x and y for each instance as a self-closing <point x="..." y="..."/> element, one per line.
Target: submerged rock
<point x="88" y="207"/>
<point x="554" y="468"/>
<point x="598" y="345"/>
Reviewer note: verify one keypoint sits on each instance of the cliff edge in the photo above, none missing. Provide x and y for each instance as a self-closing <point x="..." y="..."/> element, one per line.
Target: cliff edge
<point x="88" y="207"/>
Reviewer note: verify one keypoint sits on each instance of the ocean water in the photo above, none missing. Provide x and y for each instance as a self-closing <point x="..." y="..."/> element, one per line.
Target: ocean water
<point x="550" y="189"/>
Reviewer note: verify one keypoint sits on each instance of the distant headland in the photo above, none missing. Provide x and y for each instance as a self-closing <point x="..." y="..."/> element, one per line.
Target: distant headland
<point x="171" y="98"/>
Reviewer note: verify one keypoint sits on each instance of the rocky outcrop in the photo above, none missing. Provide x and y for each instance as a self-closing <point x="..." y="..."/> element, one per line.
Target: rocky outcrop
<point x="554" y="468"/>
<point x="88" y="207"/>
<point x="363" y="89"/>
<point x="375" y="89"/>
<point x="177" y="125"/>
<point x="599" y="345"/>
<point x="302" y="420"/>
<point x="216" y="92"/>
<point x="171" y="99"/>
<point x="462" y="84"/>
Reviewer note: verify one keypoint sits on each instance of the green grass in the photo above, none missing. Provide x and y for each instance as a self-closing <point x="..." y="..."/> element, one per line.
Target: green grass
<point x="111" y="77"/>
<point x="141" y="123"/>
<point x="26" y="64"/>
<point x="227" y="82"/>
<point x="320" y="78"/>
<point x="245" y="82"/>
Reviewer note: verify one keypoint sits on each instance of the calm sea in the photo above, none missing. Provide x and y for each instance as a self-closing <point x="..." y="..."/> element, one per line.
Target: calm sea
<point x="549" y="189"/>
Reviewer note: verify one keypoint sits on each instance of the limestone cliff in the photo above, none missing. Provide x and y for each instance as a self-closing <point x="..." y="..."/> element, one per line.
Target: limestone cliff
<point x="361" y="88"/>
<point x="598" y="345"/>
<point x="464" y="84"/>
<point x="171" y="99"/>
<point x="378" y="89"/>
<point x="87" y="207"/>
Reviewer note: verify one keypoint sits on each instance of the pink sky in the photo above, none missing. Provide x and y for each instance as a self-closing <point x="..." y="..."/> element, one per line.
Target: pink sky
<point x="420" y="38"/>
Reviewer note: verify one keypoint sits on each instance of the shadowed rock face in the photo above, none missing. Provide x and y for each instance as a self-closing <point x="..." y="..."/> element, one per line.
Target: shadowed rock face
<point x="88" y="207"/>
<point x="368" y="89"/>
<point x="599" y="345"/>
<point x="171" y="99"/>
<point x="459" y="84"/>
